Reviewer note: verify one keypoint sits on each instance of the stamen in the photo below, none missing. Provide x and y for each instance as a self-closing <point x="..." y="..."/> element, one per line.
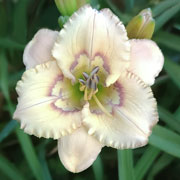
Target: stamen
<point x="103" y="109"/>
<point x="82" y="87"/>
<point x="85" y="75"/>
<point x="96" y="78"/>
<point x="85" y="95"/>
<point x="88" y="83"/>
<point x="94" y="71"/>
<point x="93" y="85"/>
<point x="90" y="94"/>
<point x="82" y="81"/>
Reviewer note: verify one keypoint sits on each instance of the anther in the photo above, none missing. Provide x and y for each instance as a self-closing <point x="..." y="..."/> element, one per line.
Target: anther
<point x="94" y="71"/>
<point x="88" y="83"/>
<point x="85" y="75"/>
<point x="82" y="81"/>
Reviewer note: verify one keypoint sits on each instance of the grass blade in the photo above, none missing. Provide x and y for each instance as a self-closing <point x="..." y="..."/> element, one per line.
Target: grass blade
<point x="160" y="164"/>
<point x="8" y="129"/>
<point x="123" y="17"/>
<point x="42" y="158"/>
<point x="23" y="138"/>
<point x="173" y="71"/>
<point x="145" y="162"/>
<point x="166" y="16"/>
<point x="3" y="20"/>
<point x="9" y="169"/>
<point x="8" y="43"/>
<point x="169" y="119"/>
<point x="166" y="140"/>
<point x="163" y="6"/>
<point x="4" y="75"/>
<point x="169" y="40"/>
<point x="98" y="169"/>
<point x="129" y="5"/>
<point x="177" y="114"/>
<point x="30" y="155"/>
<point x="20" y="21"/>
<point x="125" y="164"/>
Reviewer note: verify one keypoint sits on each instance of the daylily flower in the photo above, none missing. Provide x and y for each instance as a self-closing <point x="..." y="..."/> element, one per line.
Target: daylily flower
<point x="89" y="86"/>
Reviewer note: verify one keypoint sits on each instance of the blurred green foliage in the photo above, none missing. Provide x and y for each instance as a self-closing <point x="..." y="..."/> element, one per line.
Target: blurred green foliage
<point x="26" y="157"/>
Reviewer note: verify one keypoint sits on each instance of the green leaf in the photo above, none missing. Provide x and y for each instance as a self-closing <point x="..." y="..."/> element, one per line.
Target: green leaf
<point x="42" y="158"/>
<point x="14" y="77"/>
<point x="24" y="139"/>
<point x="163" y="6"/>
<point x="169" y="119"/>
<point x="8" y="43"/>
<point x="98" y="168"/>
<point x="20" y="20"/>
<point x="169" y="40"/>
<point x="3" y="20"/>
<point x="166" y="15"/>
<point x="8" y="129"/>
<point x="4" y="75"/>
<point x="129" y="4"/>
<point x="125" y="164"/>
<point x="166" y="140"/>
<point x="173" y="71"/>
<point x="123" y="17"/>
<point x="160" y="164"/>
<point x="145" y="162"/>
<point x="9" y="169"/>
<point x="29" y="153"/>
<point x="161" y="80"/>
<point x="177" y="114"/>
<point x="177" y="26"/>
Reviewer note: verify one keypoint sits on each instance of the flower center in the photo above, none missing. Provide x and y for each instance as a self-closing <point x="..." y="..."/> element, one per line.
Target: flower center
<point x="89" y="83"/>
<point x="89" y="86"/>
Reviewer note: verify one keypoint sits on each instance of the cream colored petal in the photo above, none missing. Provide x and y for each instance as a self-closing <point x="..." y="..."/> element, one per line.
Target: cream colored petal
<point x="132" y="119"/>
<point x="146" y="60"/>
<point x="78" y="150"/>
<point x="45" y="107"/>
<point x="94" y="34"/>
<point x="38" y="50"/>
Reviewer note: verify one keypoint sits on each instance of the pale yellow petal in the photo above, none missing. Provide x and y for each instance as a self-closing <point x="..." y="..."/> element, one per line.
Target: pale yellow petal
<point x="132" y="116"/>
<point x="38" y="50"/>
<point x="92" y="33"/>
<point x="78" y="150"/>
<point x="146" y="60"/>
<point x="45" y="104"/>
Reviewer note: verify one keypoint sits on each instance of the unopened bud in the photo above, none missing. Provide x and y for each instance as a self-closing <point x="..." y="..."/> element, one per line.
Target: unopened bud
<point x="141" y="26"/>
<point x="68" y="7"/>
<point x="62" y="20"/>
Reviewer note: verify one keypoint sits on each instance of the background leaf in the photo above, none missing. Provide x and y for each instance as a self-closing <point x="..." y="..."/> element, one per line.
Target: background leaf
<point x="125" y="164"/>
<point x="166" y="140"/>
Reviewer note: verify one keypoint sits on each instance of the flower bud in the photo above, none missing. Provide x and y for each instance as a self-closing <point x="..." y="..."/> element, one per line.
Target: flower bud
<point x="62" y="20"/>
<point x="68" y="7"/>
<point x="141" y="26"/>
